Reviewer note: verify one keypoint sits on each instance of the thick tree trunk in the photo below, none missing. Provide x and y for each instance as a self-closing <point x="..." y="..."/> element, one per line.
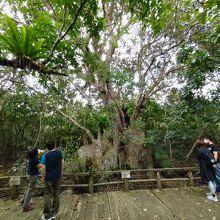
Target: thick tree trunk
<point x="150" y="162"/>
<point x="170" y="149"/>
<point x="133" y="147"/>
<point x="117" y="148"/>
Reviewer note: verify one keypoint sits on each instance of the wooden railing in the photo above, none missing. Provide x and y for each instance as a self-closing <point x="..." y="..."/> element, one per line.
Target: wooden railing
<point x="90" y="180"/>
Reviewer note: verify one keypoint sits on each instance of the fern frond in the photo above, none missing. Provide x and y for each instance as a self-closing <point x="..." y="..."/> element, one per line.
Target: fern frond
<point x="14" y="34"/>
<point x="34" y="53"/>
<point x="29" y="41"/>
<point x="20" y="41"/>
<point x="23" y="40"/>
<point x="9" y="43"/>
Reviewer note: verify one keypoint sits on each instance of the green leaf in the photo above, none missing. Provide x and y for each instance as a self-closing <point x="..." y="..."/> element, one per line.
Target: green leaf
<point x="23" y="39"/>
<point x="36" y="48"/>
<point x="14" y="35"/>
<point x="9" y="43"/>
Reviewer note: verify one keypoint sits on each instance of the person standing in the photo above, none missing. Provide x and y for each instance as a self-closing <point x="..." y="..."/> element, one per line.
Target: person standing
<point x="214" y="150"/>
<point x="207" y="172"/>
<point x="52" y="171"/>
<point x="32" y="177"/>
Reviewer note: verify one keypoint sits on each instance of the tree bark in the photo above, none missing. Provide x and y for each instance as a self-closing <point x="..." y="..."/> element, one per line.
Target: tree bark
<point x="26" y="63"/>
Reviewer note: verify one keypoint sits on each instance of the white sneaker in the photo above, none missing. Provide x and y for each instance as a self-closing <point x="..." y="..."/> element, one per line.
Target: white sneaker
<point x="54" y="215"/>
<point x="43" y="217"/>
<point x="215" y="199"/>
<point x="209" y="194"/>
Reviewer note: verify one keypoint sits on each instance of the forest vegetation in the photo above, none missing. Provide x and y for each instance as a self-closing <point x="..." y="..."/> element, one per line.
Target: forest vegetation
<point x="118" y="84"/>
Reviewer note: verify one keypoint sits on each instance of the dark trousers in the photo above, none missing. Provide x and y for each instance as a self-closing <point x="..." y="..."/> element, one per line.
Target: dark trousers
<point x="51" y="197"/>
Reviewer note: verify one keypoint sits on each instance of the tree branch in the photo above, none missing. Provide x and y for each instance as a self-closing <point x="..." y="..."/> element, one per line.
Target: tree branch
<point x="62" y="113"/>
<point x="60" y="37"/>
<point x="77" y="124"/>
<point x="27" y="63"/>
<point x="144" y="95"/>
<point x="194" y="144"/>
<point x="152" y="90"/>
<point x="83" y="94"/>
<point x="40" y="128"/>
<point x="121" y="114"/>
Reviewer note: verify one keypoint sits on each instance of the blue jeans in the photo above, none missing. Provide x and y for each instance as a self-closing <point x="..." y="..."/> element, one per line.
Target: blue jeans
<point x="217" y="173"/>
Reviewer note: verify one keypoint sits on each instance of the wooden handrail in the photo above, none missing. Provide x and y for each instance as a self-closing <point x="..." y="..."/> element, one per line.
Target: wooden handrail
<point x="115" y="172"/>
<point x="159" y="180"/>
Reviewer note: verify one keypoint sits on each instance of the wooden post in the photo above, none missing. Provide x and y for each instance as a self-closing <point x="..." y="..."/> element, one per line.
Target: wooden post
<point x="73" y="188"/>
<point x="190" y="175"/>
<point x="1" y="170"/>
<point x="91" y="183"/>
<point x="125" y="175"/>
<point x="159" y="185"/>
<point x="14" y="183"/>
<point x="14" y="192"/>
<point x="126" y="185"/>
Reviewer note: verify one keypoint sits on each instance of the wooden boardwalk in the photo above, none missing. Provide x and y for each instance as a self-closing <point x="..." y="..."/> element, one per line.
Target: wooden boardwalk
<point x="183" y="203"/>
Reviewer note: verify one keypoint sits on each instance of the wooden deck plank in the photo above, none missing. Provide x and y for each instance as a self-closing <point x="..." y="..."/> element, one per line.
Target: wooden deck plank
<point x="74" y="208"/>
<point x="14" y="211"/>
<point x="65" y="203"/>
<point x="167" y="204"/>
<point x="131" y="208"/>
<point x="106" y="209"/>
<point x="6" y="206"/>
<point x="83" y="207"/>
<point x="175" y="203"/>
<point x="121" y="205"/>
<point x="69" y="208"/>
<point x="92" y="209"/>
<point x="97" y="207"/>
<point x="135" y="208"/>
<point x="197" y="199"/>
<point x="112" y="206"/>
<point x="150" y="207"/>
<point x="37" y="211"/>
<point x="187" y="205"/>
<point x="100" y="207"/>
<point x="114" y="199"/>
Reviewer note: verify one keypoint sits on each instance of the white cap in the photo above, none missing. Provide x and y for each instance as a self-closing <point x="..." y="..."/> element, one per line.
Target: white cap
<point x="40" y="151"/>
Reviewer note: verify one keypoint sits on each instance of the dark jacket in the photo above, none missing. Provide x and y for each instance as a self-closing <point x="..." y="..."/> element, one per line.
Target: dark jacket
<point x="206" y="167"/>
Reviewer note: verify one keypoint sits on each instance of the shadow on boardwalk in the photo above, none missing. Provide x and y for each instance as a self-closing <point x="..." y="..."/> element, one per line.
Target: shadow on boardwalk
<point x="184" y="203"/>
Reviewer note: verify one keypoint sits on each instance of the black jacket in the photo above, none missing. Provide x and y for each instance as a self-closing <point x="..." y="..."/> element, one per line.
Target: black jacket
<point x="206" y="167"/>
